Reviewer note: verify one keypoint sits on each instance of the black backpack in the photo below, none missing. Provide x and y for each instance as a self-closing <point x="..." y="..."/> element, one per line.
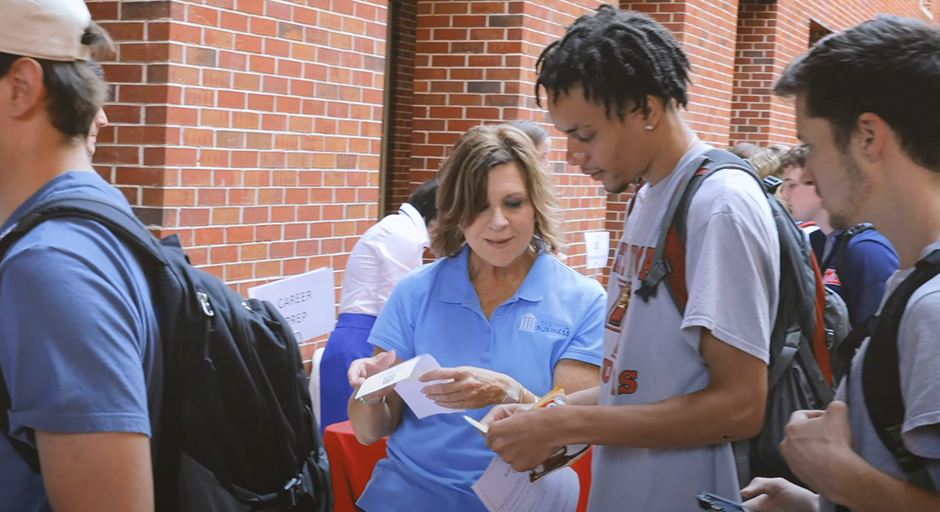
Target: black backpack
<point x="881" y="374"/>
<point x="237" y="431"/>
<point x="810" y="321"/>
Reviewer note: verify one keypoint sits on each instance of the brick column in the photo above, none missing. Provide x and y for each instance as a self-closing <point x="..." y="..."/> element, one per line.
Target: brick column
<point x="758" y="116"/>
<point x="402" y="38"/>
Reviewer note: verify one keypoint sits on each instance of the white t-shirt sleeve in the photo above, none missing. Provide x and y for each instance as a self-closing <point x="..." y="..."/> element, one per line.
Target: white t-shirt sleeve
<point x="732" y="264"/>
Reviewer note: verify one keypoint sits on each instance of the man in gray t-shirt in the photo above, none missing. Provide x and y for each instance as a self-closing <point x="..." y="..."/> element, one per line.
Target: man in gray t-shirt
<point x="873" y="156"/>
<point x="675" y="388"/>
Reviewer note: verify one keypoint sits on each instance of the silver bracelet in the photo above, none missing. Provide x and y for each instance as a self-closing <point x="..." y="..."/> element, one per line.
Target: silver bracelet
<point x="372" y="402"/>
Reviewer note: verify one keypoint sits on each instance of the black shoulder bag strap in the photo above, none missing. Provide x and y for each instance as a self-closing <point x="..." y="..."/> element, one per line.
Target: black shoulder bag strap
<point x="122" y="223"/>
<point x="881" y="375"/>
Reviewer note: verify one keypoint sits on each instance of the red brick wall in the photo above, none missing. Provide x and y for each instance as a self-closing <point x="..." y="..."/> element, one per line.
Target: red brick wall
<point x="475" y="64"/>
<point x="771" y="35"/>
<point x="754" y="71"/>
<point x="252" y="128"/>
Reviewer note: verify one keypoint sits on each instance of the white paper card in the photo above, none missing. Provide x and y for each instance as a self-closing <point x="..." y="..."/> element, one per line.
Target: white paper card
<point x="387" y="378"/>
<point x="307" y="301"/>
<point x="502" y="489"/>
<point x="404" y="378"/>
<point x="597" y="245"/>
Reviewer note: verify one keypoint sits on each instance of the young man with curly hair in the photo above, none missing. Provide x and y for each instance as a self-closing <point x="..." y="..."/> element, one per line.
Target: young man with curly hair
<point x="675" y="388"/>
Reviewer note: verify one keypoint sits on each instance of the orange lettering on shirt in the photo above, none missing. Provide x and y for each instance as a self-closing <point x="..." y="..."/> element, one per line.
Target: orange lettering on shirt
<point x="628" y="382"/>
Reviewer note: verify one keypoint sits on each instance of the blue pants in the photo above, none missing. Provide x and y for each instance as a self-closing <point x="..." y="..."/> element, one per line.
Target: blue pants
<point x="347" y="343"/>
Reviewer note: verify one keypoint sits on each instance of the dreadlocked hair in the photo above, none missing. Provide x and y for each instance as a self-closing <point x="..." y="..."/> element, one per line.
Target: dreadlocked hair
<point x="617" y="57"/>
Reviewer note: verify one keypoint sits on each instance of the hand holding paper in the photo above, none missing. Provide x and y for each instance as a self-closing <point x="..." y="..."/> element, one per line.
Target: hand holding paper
<point x="362" y="369"/>
<point x="528" y="440"/>
<point x="466" y="387"/>
<point x="404" y="379"/>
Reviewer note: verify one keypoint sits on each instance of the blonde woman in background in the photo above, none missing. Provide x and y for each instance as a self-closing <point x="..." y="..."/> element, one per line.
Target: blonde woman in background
<point x="767" y="161"/>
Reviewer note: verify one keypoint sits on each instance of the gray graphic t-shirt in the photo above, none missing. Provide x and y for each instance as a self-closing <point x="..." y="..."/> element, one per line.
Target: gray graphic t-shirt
<point x="652" y="353"/>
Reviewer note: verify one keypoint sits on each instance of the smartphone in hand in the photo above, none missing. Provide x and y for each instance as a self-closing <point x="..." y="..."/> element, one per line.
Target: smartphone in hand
<point x="709" y="501"/>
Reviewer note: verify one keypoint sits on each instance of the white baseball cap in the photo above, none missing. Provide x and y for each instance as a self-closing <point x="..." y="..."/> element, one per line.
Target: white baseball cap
<point x="44" y="29"/>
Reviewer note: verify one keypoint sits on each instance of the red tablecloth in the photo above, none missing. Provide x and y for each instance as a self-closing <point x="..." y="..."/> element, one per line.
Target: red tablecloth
<point x="351" y="466"/>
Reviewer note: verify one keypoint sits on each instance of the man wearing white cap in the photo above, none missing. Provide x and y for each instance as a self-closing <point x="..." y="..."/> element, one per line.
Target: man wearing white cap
<point x="79" y="350"/>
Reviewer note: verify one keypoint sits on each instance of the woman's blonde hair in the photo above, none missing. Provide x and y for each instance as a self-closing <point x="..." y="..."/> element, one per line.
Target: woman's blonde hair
<point x="767" y="161"/>
<point x="463" y="191"/>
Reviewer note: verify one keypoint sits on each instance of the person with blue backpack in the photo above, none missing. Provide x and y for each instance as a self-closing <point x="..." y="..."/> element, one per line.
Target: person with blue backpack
<point x="79" y="337"/>
<point x="867" y="108"/>
<point x="856" y="261"/>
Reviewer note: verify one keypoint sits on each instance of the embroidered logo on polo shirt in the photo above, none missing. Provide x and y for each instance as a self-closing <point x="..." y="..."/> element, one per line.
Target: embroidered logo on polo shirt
<point x="528" y="322"/>
<point x="553" y="328"/>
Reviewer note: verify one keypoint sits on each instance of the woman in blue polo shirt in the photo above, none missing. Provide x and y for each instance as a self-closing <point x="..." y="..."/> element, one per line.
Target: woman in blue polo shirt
<point x="505" y="319"/>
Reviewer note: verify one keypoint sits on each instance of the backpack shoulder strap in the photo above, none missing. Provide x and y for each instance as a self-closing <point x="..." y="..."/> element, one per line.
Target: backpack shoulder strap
<point x="123" y="224"/>
<point x="669" y="256"/>
<point x="118" y="220"/>
<point x="881" y="376"/>
<point x="661" y="266"/>
<point x="844" y="241"/>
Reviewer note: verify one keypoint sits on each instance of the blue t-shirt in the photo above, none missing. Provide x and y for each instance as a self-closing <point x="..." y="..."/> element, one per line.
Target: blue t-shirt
<point x="79" y="340"/>
<point x="555" y="314"/>
<point x="869" y="261"/>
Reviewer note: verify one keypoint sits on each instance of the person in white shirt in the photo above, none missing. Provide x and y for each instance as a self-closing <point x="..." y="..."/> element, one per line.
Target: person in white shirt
<point x="384" y="254"/>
